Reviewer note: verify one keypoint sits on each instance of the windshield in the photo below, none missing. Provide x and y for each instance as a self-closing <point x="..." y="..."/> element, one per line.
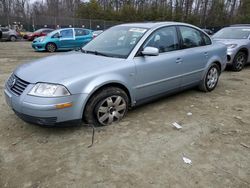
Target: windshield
<point x="53" y="32"/>
<point x="118" y="41"/>
<point x="232" y="33"/>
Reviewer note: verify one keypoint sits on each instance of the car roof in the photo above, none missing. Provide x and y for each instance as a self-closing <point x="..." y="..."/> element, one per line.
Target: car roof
<point x="152" y="25"/>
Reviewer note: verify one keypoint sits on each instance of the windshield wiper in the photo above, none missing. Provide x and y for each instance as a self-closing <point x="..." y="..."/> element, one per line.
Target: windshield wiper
<point x="95" y="52"/>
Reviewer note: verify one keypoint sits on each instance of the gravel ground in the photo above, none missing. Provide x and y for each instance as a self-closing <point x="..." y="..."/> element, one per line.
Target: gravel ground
<point x="143" y="150"/>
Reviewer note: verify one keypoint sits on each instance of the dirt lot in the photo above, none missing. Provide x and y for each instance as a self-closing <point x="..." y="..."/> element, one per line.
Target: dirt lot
<point x="144" y="150"/>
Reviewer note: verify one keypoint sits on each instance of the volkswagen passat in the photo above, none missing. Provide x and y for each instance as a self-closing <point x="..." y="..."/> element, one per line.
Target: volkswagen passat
<point x="125" y="66"/>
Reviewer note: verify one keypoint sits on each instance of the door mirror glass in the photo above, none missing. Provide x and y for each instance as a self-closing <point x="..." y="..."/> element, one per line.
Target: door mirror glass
<point x="150" y="51"/>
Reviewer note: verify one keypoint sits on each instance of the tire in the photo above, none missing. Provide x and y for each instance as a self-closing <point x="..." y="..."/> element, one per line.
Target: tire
<point x="107" y="106"/>
<point x="13" y="38"/>
<point x="239" y="61"/>
<point x="50" y="47"/>
<point x="210" y="80"/>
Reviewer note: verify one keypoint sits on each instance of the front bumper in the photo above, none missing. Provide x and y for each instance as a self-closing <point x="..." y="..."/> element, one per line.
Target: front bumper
<point x="38" y="46"/>
<point x="43" y="111"/>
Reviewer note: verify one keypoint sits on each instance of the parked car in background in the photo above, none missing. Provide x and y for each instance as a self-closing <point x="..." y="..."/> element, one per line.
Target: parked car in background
<point x="24" y="34"/>
<point x="125" y="66"/>
<point x="9" y="34"/>
<point x="63" y="39"/>
<point x="208" y="31"/>
<point x="237" y="39"/>
<point x="39" y="33"/>
<point x="96" y="33"/>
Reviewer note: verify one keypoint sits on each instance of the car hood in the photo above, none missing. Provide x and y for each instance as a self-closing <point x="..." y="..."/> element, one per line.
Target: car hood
<point x="39" y="38"/>
<point x="65" y="67"/>
<point x="232" y="41"/>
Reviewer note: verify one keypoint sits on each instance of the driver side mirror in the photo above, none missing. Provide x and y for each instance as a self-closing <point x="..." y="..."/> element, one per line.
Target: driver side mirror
<point x="150" y="51"/>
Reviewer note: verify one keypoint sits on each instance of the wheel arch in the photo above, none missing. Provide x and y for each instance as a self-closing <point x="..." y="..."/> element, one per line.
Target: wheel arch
<point x="245" y="50"/>
<point x="106" y="85"/>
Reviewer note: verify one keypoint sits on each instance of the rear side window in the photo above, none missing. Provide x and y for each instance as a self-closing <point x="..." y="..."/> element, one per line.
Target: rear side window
<point x="190" y="37"/>
<point x="165" y="39"/>
<point x="81" y="32"/>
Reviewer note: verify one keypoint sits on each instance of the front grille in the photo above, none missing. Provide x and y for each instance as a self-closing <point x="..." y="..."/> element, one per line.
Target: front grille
<point x="17" y="85"/>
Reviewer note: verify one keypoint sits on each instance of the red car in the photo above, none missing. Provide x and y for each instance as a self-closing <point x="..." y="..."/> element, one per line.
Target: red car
<point x="38" y="33"/>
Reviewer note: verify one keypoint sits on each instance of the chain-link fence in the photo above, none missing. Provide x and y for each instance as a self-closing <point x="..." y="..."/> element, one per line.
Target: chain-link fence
<point x="37" y="22"/>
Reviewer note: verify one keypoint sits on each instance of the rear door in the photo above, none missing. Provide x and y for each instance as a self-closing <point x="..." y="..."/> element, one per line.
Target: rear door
<point x="195" y="54"/>
<point x="83" y="36"/>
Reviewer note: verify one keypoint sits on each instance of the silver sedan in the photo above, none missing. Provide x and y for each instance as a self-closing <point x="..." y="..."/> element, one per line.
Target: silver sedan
<point x="125" y="66"/>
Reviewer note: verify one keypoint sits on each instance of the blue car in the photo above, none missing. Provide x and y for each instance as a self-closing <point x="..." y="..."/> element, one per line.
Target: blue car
<point x="63" y="39"/>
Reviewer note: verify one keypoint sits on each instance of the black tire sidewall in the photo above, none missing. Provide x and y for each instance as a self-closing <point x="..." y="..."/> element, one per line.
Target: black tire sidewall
<point x="90" y="113"/>
<point x="217" y="68"/>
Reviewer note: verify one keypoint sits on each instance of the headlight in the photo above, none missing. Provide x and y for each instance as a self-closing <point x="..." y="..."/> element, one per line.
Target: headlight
<point x="49" y="90"/>
<point x="231" y="46"/>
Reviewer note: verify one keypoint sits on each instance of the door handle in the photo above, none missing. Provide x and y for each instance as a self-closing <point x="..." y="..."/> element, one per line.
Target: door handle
<point x="206" y="54"/>
<point x="178" y="60"/>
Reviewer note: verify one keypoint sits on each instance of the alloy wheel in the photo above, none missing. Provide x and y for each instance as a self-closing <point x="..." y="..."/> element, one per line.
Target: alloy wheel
<point x="111" y="110"/>
<point x="212" y="78"/>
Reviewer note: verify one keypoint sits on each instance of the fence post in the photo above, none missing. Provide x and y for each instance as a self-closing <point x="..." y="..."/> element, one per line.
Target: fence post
<point x="90" y="25"/>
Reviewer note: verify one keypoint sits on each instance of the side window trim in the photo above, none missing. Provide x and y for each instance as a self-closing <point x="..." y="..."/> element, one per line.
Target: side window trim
<point x="138" y="53"/>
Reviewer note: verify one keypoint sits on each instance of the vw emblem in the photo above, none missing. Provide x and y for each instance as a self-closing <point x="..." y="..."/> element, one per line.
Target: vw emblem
<point x="13" y="83"/>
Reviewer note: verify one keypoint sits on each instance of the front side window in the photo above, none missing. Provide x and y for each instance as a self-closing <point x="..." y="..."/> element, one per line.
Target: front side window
<point x="190" y="37"/>
<point x="67" y="33"/>
<point x="117" y="41"/>
<point x="56" y="35"/>
<point x="165" y="39"/>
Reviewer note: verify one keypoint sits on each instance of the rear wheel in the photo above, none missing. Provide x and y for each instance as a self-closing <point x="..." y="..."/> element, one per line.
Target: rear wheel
<point x="107" y="106"/>
<point x="51" y="47"/>
<point x="239" y="61"/>
<point x="210" y="80"/>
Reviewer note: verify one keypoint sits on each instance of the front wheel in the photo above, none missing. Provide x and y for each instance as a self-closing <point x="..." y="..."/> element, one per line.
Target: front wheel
<point x="51" y="47"/>
<point x="12" y="38"/>
<point x="239" y="61"/>
<point x="107" y="106"/>
<point x="210" y="80"/>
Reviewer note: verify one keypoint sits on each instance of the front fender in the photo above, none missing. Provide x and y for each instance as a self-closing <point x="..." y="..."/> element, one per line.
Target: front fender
<point x="103" y="80"/>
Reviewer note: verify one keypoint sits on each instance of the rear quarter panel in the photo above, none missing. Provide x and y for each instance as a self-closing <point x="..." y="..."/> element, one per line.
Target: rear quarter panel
<point x="217" y="53"/>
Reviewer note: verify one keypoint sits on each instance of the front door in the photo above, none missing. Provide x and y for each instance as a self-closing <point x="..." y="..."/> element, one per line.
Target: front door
<point x="159" y="74"/>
